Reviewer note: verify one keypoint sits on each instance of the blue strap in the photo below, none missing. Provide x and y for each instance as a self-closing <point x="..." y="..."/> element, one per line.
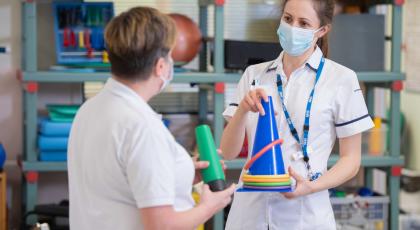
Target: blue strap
<point x="304" y="143"/>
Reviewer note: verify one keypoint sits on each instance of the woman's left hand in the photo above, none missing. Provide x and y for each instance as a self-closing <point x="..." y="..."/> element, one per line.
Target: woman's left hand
<point x="198" y="165"/>
<point x="303" y="186"/>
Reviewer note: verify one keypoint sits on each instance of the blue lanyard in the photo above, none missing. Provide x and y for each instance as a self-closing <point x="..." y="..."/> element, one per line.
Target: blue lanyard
<point x="304" y="143"/>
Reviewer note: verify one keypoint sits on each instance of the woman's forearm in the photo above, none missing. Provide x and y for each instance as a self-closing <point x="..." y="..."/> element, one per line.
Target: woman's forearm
<point x="346" y="167"/>
<point x="192" y="218"/>
<point x="233" y="135"/>
<point x="166" y="218"/>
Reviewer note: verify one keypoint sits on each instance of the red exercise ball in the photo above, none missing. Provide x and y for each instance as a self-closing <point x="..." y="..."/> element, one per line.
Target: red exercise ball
<point x="188" y="39"/>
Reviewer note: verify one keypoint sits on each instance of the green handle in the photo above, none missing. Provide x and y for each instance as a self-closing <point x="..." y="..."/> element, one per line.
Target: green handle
<point x="212" y="175"/>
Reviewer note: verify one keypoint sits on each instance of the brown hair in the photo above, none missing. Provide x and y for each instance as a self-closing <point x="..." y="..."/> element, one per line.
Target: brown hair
<point x="325" y="12"/>
<point x="136" y="39"/>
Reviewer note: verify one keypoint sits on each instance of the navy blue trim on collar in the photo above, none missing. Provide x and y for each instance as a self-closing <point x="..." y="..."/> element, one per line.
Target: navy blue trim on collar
<point x="352" y="121"/>
<point x="271" y="67"/>
<point x="312" y="68"/>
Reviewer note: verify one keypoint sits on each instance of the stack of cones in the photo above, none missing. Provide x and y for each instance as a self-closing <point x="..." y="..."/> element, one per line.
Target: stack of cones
<point x="281" y="182"/>
<point x="265" y="171"/>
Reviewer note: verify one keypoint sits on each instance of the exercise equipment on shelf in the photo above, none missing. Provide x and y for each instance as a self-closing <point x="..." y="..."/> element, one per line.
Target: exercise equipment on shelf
<point x="188" y="39"/>
<point x="54" y="132"/>
<point x="2" y="156"/>
<point x="79" y="31"/>
<point x="265" y="171"/>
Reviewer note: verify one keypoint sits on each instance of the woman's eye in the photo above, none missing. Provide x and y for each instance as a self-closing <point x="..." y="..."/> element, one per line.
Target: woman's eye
<point x="287" y="19"/>
<point x="304" y="25"/>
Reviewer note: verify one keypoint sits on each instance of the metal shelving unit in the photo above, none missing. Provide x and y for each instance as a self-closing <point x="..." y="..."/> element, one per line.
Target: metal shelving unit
<point x="196" y="77"/>
<point x="32" y="77"/>
<point x="367" y="161"/>
<point x="217" y="79"/>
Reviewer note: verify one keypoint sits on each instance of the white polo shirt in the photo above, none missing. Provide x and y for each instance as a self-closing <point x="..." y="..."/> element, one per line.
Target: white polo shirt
<point x="122" y="158"/>
<point x="338" y="110"/>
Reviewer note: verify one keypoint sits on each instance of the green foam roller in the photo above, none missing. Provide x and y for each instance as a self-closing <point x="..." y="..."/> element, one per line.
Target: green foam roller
<point x="212" y="175"/>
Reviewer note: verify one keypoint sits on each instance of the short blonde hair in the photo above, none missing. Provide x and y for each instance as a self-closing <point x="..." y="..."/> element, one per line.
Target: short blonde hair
<point x="136" y="39"/>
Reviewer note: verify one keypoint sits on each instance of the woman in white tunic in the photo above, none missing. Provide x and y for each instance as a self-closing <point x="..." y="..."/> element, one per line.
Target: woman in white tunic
<point x="301" y="81"/>
<point x="126" y="171"/>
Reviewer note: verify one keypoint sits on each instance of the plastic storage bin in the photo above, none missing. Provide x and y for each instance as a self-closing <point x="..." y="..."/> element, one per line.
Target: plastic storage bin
<point x="410" y="222"/>
<point x="365" y="213"/>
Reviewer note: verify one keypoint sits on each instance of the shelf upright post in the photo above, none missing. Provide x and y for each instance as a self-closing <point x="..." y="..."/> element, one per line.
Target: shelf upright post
<point x="219" y="91"/>
<point x="203" y="92"/>
<point x="31" y="88"/>
<point x="370" y="100"/>
<point x="395" y="172"/>
<point x="219" y="87"/>
<point x="203" y="23"/>
<point x="30" y="101"/>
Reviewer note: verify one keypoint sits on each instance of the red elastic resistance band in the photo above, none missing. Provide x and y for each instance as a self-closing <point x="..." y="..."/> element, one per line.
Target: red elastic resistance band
<point x="262" y="152"/>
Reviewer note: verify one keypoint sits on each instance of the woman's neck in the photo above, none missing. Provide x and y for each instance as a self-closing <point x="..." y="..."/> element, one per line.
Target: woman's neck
<point x="291" y="63"/>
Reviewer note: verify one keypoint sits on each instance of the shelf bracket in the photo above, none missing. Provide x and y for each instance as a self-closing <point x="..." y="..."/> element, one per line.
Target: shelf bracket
<point x="219" y="87"/>
<point x="211" y="2"/>
<point x="396" y="171"/>
<point x="397" y="86"/>
<point x="32" y="177"/>
<point x="399" y="2"/>
<point x="219" y="2"/>
<point x="31" y="87"/>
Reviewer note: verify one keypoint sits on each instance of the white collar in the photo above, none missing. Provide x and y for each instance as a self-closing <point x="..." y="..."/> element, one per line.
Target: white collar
<point x="313" y="61"/>
<point x="119" y="89"/>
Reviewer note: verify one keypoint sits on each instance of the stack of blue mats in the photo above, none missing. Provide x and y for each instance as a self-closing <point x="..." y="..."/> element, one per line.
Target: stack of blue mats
<point x="53" y="139"/>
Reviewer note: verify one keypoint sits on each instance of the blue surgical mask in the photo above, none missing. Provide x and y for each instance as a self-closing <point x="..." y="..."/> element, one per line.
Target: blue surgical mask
<point x="168" y="80"/>
<point x="294" y="40"/>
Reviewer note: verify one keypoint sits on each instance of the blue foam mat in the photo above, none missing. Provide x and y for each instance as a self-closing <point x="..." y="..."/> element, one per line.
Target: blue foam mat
<point x="52" y="143"/>
<point x="53" y="156"/>
<point x="54" y="129"/>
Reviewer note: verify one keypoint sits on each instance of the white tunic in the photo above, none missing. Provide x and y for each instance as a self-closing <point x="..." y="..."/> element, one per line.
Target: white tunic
<point x="338" y="110"/>
<point x="121" y="158"/>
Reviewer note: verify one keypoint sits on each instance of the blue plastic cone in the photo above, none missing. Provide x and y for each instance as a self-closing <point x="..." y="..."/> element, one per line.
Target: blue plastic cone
<point x="271" y="163"/>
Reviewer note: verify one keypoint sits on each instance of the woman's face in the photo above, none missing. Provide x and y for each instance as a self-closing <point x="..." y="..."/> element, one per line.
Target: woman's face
<point x="301" y="13"/>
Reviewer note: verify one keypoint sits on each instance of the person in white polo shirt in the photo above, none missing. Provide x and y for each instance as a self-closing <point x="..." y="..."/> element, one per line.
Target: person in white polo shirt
<point x="337" y="109"/>
<point x="126" y="171"/>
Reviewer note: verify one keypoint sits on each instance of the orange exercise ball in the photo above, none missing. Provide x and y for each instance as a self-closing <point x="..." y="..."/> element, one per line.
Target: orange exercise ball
<point x="188" y="39"/>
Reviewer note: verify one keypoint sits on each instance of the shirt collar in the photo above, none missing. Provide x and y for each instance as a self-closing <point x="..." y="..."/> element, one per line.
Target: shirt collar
<point x="313" y="61"/>
<point x="119" y="89"/>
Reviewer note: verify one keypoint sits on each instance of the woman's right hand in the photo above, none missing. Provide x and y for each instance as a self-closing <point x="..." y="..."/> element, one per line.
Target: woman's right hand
<point x="215" y="201"/>
<point x="252" y="101"/>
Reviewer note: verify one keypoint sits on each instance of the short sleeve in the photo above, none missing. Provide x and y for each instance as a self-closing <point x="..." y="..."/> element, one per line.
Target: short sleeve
<point x="150" y="167"/>
<point x="351" y="114"/>
<point x="241" y="89"/>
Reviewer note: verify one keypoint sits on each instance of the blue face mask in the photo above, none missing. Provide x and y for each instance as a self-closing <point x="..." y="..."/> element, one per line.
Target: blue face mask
<point x="295" y="41"/>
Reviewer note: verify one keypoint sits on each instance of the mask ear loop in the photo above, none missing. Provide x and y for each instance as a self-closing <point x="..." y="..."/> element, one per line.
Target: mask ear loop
<point x="316" y="31"/>
<point x="319" y="29"/>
